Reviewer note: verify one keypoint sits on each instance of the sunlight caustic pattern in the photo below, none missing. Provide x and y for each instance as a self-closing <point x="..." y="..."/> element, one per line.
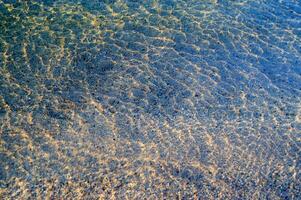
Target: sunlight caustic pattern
<point x="154" y="99"/>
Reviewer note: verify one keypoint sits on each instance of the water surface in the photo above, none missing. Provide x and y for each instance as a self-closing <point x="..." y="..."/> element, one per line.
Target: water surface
<point x="169" y="99"/>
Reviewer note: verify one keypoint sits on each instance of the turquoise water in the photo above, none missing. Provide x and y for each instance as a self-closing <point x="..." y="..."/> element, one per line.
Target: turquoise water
<point x="150" y="99"/>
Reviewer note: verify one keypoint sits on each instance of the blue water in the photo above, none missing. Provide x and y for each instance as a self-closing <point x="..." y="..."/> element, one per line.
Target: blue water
<point x="170" y="99"/>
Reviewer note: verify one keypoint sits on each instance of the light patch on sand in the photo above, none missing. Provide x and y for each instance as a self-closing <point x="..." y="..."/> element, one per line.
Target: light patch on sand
<point x="29" y="118"/>
<point x="298" y="116"/>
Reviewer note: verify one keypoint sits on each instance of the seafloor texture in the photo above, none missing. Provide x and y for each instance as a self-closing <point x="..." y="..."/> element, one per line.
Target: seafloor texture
<point x="197" y="99"/>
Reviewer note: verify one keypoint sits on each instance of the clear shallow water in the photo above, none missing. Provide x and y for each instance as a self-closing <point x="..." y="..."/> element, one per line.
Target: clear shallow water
<point x="164" y="99"/>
